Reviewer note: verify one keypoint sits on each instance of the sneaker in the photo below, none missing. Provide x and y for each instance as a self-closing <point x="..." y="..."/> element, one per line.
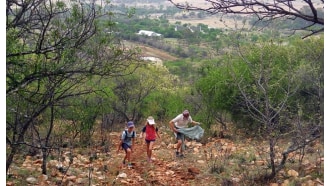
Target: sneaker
<point x="181" y="156"/>
<point x="177" y="154"/>
<point x="129" y="165"/>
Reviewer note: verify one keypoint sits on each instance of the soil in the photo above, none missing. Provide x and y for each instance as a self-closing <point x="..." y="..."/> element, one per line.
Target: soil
<point x="216" y="161"/>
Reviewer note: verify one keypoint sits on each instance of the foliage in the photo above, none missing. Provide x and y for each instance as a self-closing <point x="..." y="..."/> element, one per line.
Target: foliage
<point x="53" y="49"/>
<point x="71" y="68"/>
<point x="139" y="95"/>
<point x="260" y="82"/>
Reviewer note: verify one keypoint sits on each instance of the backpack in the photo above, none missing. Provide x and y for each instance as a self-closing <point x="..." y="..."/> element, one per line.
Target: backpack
<point x="133" y="135"/>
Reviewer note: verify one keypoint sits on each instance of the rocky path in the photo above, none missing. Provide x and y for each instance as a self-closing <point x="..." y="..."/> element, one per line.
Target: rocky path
<point x="165" y="169"/>
<point x="218" y="162"/>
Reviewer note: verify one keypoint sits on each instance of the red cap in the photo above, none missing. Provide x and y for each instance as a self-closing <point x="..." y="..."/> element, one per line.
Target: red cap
<point x="185" y="113"/>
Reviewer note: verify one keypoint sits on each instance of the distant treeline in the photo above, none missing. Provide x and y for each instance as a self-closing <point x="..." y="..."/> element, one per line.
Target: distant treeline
<point x="192" y="40"/>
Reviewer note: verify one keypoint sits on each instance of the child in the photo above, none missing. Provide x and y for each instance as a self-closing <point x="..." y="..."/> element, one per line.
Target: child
<point x="127" y="141"/>
<point x="150" y="131"/>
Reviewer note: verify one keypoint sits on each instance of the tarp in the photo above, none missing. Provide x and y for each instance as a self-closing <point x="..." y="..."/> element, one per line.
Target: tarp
<point x="195" y="132"/>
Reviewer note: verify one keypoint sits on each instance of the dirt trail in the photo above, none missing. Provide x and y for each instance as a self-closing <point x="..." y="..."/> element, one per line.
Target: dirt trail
<point x="217" y="162"/>
<point x="171" y="171"/>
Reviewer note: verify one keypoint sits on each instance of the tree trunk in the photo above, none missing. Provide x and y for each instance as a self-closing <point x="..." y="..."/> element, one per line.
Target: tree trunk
<point x="272" y="157"/>
<point x="44" y="147"/>
<point x="44" y="161"/>
<point x="11" y="157"/>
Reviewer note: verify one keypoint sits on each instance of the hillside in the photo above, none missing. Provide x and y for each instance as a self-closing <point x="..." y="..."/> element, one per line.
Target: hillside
<point x="148" y="51"/>
<point x="154" y="52"/>
<point x="233" y="160"/>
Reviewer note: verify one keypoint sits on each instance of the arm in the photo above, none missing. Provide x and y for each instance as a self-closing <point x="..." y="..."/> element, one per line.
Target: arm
<point x="171" y="123"/>
<point x="157" y="133"/>
<point x="119" y="145"/>
<point x="195" y="123"/>
<point x="133" y="142"/>
<point x="143" y="132"/>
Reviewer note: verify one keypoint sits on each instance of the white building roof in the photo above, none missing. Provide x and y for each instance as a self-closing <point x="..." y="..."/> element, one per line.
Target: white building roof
<point x="148" y="33"/>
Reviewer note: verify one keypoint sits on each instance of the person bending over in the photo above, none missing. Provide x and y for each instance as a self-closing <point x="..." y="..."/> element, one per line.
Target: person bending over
<point x="181" y="121"/>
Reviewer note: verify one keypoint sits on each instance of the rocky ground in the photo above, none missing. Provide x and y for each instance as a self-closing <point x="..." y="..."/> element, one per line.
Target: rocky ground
<point x="219" y="161"/>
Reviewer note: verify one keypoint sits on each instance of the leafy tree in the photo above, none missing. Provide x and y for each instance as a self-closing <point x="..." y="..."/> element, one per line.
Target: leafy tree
<point x="218" y="90"/>
<point x="266" y="79"/>
<point x="269" y="80"/>
<point x="271" y="83"/>
<point x="53" y="48"/>
<point x="133" y="94"/>
<point x="311" y="95"/>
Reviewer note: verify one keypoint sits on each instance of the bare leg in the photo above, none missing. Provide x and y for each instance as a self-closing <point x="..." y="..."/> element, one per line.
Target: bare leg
<point x="125" y="158"/>
<point x="151" y="144"/>
<point x="128" y="155"/>
<point x="148" y="144"/>
<point x="178" y="146"/>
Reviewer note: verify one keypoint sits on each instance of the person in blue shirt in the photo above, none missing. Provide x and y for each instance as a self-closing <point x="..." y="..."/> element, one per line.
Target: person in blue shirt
<point x="127" y="141"/>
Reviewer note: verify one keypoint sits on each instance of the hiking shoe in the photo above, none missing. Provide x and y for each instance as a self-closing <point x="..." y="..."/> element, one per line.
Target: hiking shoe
<point x="129" y="165"/>
<point x="177" y="154"/>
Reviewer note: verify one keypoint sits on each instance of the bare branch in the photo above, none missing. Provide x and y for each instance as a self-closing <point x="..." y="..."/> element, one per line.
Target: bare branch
<point x="268" y="10"/>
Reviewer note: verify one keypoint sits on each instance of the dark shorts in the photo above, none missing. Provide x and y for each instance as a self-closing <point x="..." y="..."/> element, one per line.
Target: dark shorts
<point x="148" y="141"/>
<point x="125" y="146"/>
<point x="179" y="136"/>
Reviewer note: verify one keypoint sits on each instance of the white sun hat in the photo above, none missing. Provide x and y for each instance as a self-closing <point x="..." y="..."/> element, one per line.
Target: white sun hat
<point x="151" y="120"/>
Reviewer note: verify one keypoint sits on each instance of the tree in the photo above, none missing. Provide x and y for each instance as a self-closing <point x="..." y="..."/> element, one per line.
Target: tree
<point x="53" y="49"/>
<point x="218" y="91"/>
<point x="276" y="87"/>
<point x="132" y="93"/>
<point x="266" y="10"/>
<point x="269" y="80"/>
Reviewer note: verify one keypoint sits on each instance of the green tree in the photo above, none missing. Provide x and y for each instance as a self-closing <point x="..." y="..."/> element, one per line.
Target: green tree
<point x="271" y="79"/>
<point x="134" y="94"/>
<point x="262" y="82"/>
<point x="52" y="50"/>
<point x="218" y="90"/>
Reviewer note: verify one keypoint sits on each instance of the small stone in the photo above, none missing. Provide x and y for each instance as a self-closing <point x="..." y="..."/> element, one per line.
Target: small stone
<point x="31" y="180"/>
<point x="122" y="175"/>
